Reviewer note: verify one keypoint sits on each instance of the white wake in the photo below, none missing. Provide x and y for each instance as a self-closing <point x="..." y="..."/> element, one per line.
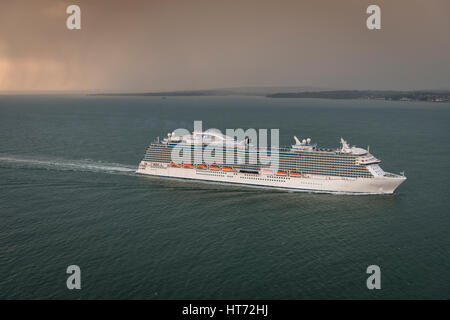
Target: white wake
<point x="67" y="165"/>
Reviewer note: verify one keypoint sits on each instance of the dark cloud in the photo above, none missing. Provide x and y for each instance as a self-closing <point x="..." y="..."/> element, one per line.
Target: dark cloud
<point x="189" y="44"/>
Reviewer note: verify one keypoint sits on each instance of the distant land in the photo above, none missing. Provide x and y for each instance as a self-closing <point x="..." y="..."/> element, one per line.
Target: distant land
<point x="302" y="92"/>
<point x="430" y="96"/>
<point x="240" y="91"/>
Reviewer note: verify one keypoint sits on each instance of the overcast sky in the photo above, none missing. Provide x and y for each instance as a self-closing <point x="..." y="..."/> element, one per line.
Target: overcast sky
<point x="154" y="45"/>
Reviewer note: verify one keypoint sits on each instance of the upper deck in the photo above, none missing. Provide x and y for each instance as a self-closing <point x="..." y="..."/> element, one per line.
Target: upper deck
<point x="216" y="141"/>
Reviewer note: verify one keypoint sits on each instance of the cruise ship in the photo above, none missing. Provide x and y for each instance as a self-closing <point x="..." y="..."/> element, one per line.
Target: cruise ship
<point x="302" y="166"/>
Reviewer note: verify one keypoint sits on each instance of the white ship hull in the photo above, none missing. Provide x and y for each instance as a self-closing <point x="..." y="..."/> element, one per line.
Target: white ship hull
<point x="312" y="183"/>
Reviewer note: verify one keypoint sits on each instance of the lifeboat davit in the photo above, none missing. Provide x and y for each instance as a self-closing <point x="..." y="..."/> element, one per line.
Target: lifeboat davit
<point x="174" y="164"/>
<point x="187" y="165"/>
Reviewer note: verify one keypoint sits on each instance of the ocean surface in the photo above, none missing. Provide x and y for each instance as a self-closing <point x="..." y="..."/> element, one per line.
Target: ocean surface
<point x="69" y="195"/>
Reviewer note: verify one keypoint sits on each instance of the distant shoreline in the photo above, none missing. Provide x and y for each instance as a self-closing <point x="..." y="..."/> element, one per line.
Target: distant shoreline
<point x="424" y="96"/>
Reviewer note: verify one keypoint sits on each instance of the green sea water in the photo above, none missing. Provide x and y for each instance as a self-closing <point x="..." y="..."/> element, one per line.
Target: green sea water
<point x="69" y="195"/>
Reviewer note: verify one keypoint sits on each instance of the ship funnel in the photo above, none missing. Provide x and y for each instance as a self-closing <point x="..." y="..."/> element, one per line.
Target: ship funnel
<point x="296" y="140"/>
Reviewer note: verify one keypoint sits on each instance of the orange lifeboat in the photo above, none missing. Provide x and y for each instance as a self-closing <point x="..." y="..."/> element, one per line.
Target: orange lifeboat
<point x="267" y="172"/>
<point x="174" y="164"/>
<point x="200" y="166"/>
<point x="295" y="174"/>
<point x="214" y="167"/>
<point x="281" y="173"/>
<point x="187" y="165"/>
<point x="227" y="168"/>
